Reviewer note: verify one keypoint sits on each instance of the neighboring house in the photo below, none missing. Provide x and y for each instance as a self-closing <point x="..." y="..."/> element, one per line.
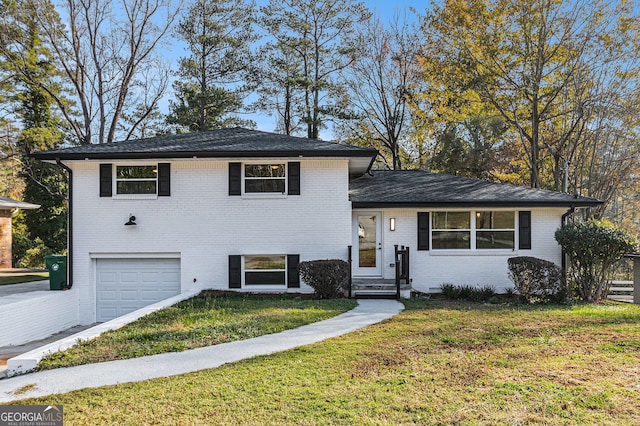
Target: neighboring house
<point x="239" y="209"/>
<point x="9" y="206"/>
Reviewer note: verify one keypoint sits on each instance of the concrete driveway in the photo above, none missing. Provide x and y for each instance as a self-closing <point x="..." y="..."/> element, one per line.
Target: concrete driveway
<point x="39" y="285"/>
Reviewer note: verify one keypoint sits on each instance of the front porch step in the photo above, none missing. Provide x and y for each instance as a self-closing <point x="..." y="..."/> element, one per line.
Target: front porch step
<point x="377" y="284"/>
<point x="374" y="290"/>
<point x="377" y="288"/>
<point x="373" y="280"/>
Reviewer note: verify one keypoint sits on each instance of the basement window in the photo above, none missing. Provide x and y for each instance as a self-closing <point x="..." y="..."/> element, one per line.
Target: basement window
<point x="268" y="270"/>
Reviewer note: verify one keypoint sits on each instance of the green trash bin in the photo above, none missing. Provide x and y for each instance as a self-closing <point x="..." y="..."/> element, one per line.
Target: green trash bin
<point x="57" y="266"/>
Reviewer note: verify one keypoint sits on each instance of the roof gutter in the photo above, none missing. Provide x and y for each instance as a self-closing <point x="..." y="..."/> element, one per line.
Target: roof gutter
<point x="472" y="204"/>
<point x="137" y="155"/>
<point x="565" y="216"/>
<point x="69" y="223"/>
<point x="563" y="254"/>
<point x="373" y="160"/>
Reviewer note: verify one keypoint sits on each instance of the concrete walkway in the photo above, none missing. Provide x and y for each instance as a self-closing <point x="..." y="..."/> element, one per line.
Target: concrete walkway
<point x="64" y="380"/>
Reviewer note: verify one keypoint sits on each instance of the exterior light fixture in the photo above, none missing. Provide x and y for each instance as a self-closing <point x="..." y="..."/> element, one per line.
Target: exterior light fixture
<point x="132" y="220"/>
<point x="392" y="224"/>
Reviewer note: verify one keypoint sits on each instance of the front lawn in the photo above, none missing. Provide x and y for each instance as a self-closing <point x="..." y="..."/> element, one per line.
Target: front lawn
<point x="19" y="279"/>
<point x="437" y="362"/>
<point x="204" y="320"/>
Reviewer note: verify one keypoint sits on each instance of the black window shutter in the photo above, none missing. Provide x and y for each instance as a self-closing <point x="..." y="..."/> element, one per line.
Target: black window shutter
<point x="235" y="271"/>
<point x="423" y="230"/>
<point x="164" y="179"/>
<point x="235" y="179"/>
<point x="294" y="178"/>
<point x="106" y="187"/>
<point x="293" y="277"/>
<point x="524" y="230"/>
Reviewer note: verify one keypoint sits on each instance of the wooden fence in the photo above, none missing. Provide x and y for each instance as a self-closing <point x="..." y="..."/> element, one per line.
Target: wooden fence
<point x="621" y="291"/>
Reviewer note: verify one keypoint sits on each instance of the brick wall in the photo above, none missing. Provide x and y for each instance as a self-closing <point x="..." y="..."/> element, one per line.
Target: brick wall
<point x="430" y="269"/>
<point x="203" y="225"/>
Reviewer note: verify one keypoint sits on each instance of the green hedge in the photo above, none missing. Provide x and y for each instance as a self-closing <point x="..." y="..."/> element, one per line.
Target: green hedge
<point x="594" y="248"/>
<point x="329" y="278"/>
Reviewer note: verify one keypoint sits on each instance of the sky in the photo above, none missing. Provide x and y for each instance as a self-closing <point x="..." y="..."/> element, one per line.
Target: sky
<point x="386" y="9"/>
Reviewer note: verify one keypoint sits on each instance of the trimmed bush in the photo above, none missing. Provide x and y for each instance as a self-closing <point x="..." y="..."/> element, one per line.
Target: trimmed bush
<point x="329" y="278"/>
<point x="537" y="280"/>
<point x="594" y="247"/>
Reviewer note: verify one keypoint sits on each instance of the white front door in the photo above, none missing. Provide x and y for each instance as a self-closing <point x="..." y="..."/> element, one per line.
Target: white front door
<point x="367" y="246"/>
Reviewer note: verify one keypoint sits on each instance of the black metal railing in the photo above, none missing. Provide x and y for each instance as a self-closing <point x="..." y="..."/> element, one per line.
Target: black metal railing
<point x="350" y="260"/>
<point x="402" y="267"/>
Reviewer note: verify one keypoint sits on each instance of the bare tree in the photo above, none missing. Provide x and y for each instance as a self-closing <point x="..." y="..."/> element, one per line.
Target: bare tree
<point x="607" y="156"/>
<point x="379" y="86"/>
<point x="144" y="119"/>
<point x="101" y="48"/>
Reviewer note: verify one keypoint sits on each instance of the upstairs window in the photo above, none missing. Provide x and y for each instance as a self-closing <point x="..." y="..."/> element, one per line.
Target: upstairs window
<point x="133" y="181"/>
<point x="136" y="180"/>
<point x="265" y="178"/>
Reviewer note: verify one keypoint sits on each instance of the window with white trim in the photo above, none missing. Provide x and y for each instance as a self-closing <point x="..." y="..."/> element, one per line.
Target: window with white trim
<point x="451" y="230"/>
<point x="137" y="179"/>
<point x="267" y="270"/>
<point x="265" y="178"/>
<point x="473" y="230"/>
<point x="495" y="230"/>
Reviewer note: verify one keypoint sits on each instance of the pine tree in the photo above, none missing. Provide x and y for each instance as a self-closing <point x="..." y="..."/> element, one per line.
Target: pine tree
<point x="209" y="94"/>
<point x="29" y="62"/>
<point x="311" y="47"/>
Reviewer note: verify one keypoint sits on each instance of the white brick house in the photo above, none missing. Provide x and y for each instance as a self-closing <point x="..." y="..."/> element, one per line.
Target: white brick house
<point x="238" y="209"/>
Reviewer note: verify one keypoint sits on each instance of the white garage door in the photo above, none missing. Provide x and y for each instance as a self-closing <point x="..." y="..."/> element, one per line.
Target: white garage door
<point x="124" y="285"/>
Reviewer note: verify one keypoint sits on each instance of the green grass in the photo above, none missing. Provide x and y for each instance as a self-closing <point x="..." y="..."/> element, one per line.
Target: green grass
<point x="204" y="320"/>
<point x="438" y="362"/>
<point x="23" y="278"/>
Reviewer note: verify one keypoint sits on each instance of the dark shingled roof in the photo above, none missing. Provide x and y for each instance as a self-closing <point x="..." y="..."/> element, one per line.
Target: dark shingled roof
<point x="235" y="142"/>
<point x="417" y="188"/>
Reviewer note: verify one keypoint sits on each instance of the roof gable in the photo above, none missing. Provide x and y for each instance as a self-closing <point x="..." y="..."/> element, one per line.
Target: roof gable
<point x="417" y="188"/>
